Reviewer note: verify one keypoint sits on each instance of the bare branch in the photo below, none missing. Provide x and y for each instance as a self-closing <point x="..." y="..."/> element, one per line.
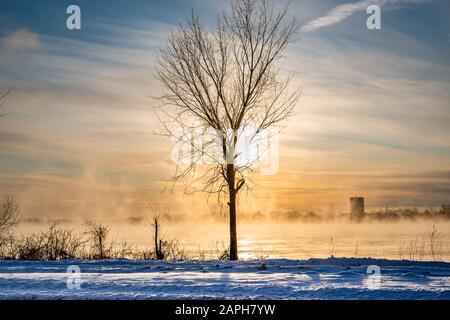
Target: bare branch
<point x="9" y="214"/>
<point x="225" y="79"/>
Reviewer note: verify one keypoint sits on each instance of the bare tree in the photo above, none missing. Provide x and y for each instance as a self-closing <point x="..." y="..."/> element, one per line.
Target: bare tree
<point x="226" y="81"/>
<point x="156" y="225"/>
<point x="9" y="214"/>
<point x="101" y="248"/>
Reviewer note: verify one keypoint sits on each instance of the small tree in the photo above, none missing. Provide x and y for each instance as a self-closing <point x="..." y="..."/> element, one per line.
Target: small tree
<point x="101" y="248"/>
<point x="226" y="81"/>
<point x="9" y="214"/>
<point x="156" y="225"/>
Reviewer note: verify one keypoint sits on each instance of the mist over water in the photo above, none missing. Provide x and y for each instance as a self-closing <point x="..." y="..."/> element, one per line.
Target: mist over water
<point x="290" y="240"/>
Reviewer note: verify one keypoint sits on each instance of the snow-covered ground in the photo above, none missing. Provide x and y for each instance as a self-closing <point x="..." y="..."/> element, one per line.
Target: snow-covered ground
<point x="332" y="278"/>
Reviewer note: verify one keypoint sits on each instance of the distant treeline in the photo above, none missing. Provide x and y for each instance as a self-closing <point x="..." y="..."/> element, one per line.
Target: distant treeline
<point x="387" y="214"/>
<point x="292" y="215"/>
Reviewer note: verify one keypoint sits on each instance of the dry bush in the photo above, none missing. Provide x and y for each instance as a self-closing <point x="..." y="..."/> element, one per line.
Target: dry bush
<point x="62" y="243"/>
<point x="428" y="244"/>
<point x="9" y="218"/>
<point x="31" y="247"/>
<point x="435" y="243"/>
<point x="9" y="214"/>
<point x="8" y="247"/>
<point x="128" y="251"/>
<point x="145" y="254"/>
<point x="54" y="244"/>
<point x="101" y="247"/>
<point x="222" y="251"/>
<point x="201" y="255"/>
<point x="174" y="250"/>
<point x="416" y="249"/>
<point x="218" y="250"/>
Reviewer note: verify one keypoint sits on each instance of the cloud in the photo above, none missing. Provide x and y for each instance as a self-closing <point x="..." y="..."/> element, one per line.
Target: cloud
<point x="111" y="59"/>
<point x="85" y="145"/>
<point x="79" y="137"/>
<point x="343" y="11"/>
<point x="21" y="39"/>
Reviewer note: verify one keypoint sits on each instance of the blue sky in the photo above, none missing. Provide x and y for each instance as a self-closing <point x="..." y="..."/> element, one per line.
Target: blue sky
<point x="79" y="130"/>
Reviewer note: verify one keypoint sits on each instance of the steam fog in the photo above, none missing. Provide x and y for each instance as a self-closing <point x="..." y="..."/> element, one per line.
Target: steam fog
<point x="283" y="239"/>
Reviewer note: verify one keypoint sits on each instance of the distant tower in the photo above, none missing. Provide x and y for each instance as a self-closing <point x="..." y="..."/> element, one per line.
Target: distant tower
<point x="356" y="208"/>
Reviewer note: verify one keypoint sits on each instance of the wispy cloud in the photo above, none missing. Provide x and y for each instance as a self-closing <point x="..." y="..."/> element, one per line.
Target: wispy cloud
<point x="343" y="11"/>
<point x="79" y="135"/>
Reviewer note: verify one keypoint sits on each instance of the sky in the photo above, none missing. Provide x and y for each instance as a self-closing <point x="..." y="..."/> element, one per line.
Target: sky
<point x="78" y="137"/>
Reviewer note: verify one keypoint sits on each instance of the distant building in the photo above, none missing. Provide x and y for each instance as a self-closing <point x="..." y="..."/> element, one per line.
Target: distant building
<point x="356" y="208"/>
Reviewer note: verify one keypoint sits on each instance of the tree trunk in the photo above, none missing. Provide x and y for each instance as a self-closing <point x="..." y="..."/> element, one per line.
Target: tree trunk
<point x="232" y="204"/>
